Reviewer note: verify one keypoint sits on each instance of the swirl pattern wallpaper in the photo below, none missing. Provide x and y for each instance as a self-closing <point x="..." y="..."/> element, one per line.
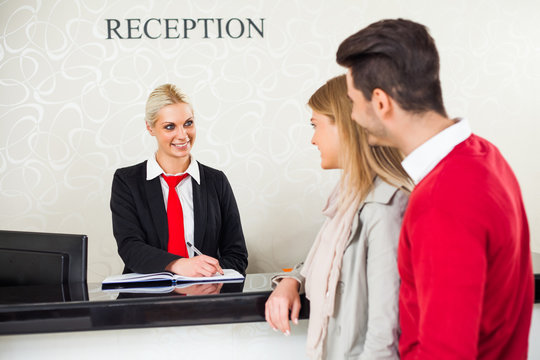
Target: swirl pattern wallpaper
<point x="75" y="75"/>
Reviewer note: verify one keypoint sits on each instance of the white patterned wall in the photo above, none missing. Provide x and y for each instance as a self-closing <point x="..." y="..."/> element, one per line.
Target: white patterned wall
<point x="72" y="102"/>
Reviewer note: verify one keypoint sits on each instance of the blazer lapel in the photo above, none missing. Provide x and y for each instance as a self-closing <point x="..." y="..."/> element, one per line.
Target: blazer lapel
<point x="199" y="208"/>
<point x="157" y="210"/>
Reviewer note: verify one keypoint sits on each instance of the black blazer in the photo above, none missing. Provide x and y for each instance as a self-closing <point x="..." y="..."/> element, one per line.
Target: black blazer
<point x="140" y="226"/>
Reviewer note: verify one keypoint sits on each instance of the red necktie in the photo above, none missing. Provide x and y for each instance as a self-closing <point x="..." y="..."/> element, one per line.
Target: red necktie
<point x="175" y="218"/>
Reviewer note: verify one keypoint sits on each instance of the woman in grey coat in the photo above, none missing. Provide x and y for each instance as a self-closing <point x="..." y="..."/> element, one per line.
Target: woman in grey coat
<point x="350" y="275"/>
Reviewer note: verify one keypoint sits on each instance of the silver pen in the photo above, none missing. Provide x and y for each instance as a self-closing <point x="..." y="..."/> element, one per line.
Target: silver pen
<point x="197" y="251"/>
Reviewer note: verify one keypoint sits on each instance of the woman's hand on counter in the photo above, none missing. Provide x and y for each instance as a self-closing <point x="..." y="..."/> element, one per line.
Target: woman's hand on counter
<point x="283" y="299"/>
<point x="201" y="265"/>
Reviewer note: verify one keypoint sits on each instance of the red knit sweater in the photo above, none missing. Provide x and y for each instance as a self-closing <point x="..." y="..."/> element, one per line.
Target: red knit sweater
<point x="467" y="286"/>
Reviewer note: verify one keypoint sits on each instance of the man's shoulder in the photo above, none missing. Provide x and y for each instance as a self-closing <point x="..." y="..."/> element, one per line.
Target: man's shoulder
<point x="473" y="150"/>
<point x="474" y="174"/>
<point x="473" y="159"/>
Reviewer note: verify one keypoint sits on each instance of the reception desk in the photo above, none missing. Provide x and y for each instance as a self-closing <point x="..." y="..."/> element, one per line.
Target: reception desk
<point x="534" y="335"/>
<point x="225" y="326"/>
<point x="228" y="325"/>
<point x="44" y="309"/>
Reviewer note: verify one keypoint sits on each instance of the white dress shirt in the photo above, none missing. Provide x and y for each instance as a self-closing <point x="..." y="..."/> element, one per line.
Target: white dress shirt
<point x="184" y="190"/>
<point x="424" y="158"/>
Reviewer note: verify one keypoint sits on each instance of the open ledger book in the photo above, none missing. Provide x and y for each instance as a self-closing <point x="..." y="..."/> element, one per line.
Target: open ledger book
<point x="164" y="281"/>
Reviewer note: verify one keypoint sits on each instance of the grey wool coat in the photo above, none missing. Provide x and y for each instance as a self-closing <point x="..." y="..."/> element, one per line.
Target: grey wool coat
<point x="365" y="322"/>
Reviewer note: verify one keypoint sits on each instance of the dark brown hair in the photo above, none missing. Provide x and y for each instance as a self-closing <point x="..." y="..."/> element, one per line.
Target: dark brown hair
<point x="399" y="57"/>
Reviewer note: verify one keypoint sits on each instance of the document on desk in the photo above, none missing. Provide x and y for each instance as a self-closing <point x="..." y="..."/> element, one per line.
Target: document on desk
<point x="166" y="280"/>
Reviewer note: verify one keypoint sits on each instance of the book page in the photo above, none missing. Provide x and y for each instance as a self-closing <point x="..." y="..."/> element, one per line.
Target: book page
<point x="136" y="277"/>
<point x="228" y="275"/>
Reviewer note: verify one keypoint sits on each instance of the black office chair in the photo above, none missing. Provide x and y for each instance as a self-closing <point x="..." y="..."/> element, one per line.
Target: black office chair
<point x="31" y="258"/>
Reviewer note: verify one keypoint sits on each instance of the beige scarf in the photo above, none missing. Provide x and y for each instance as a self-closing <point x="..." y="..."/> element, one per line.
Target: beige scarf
<point x="322" y="269"/>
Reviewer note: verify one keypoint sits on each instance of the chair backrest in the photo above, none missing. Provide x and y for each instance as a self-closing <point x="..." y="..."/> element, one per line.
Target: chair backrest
<point x="32" y="258"/>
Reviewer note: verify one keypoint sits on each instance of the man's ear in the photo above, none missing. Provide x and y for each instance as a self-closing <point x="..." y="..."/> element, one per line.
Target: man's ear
<point x="382" y="103"/>
<point x="149" y="129"/>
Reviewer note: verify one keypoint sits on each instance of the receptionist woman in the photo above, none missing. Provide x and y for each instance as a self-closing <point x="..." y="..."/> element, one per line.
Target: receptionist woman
<point x="169" y="201"/>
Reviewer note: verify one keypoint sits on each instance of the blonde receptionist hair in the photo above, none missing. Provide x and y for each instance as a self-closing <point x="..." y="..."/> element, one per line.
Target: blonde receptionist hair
<point x="163" y="95"/>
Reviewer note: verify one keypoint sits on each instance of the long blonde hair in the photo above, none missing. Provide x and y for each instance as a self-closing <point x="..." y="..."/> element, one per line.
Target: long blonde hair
<point x="360" y="161"/>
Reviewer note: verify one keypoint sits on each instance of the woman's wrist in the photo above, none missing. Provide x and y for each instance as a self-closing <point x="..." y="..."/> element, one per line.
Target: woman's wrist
<point x="290" y="282"/>
<point x="175" y="266"/>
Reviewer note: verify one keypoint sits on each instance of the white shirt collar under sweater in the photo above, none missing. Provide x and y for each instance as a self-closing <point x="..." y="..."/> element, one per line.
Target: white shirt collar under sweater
<point x="154" y="170"/>
<point x="424" y="158"/>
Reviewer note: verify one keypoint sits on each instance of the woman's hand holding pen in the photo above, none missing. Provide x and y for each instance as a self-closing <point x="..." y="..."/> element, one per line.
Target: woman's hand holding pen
<point x="283" y="299"/>
<point x="200" y="265"/>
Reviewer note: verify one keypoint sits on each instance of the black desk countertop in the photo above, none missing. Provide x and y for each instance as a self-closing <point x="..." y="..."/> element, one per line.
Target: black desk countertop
<point x="537" y="288"/>
<point x="44" y="309"/>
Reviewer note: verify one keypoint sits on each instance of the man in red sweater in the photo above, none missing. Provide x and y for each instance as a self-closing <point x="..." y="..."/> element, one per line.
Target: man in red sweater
<point x="464" y="258"/>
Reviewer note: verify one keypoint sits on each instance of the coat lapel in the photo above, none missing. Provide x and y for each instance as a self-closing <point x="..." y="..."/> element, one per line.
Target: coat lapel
<point x="157" y="210"/>
<point x="356" y="224"/>
<point x="199" y="208"/>
<point x="381" y="192"/>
